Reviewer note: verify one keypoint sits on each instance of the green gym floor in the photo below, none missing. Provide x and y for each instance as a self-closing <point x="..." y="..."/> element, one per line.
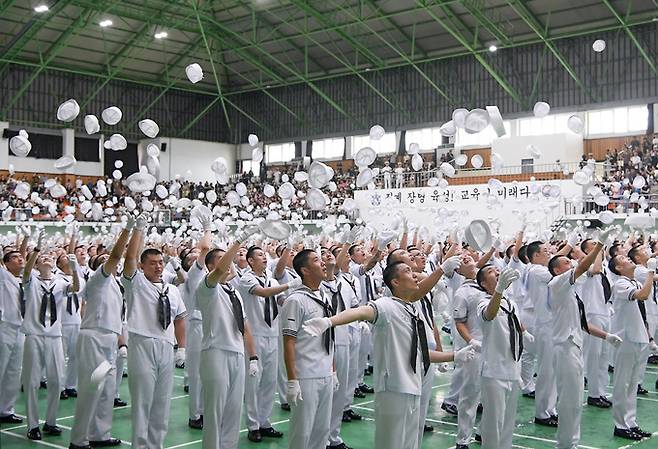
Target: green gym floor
<point x="596" y="425"/>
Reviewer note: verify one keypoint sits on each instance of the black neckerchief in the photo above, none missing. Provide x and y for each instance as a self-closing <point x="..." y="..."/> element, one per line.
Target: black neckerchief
<point x="515" y="331"/>
<point x="270" y="309"/>
<point x="428" y="311"/>
<point x="329" y="335"/>
<point x="640" y="304"/>
<point x="607" y="288"/>
<point x="21" y="298"/>
<point x="417" y="335"/>
<point x="48" y="303"/>
<point x="164" y="307"/>
<point x="238" y="314"/>
<point x="581" y="311"/>
<point x="337" y="301"/>
<point x="351" y="283"/>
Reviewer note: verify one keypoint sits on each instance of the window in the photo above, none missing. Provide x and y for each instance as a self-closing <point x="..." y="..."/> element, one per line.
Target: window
<point x="328" y="148"/>
<point x="551" y="124"/>
<point x="385" y="145"/>
<point x="281" y="152"/>
<point x="426" y="138"/>
<point x="481" y="139"/>
<point x="250" y="165"/>
<point x="622" y="120"/>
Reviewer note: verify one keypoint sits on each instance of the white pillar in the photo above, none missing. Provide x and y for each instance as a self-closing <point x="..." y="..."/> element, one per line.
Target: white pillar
<point x="68" y="146"/>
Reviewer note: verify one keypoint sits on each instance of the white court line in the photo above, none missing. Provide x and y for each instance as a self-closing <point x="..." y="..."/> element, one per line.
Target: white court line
<point x="23" y="437"/>
<point x="637" y="442"/>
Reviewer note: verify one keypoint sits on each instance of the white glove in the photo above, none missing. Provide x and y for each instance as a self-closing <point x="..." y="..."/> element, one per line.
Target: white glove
<point x="295" y="283"/>
<point x="505" y="279"/>
<point x="73" y="262"/>
<point x="477" y="344"/>
<point x="352" y="235"/>
<point x="651" y="264"/>
<point x="334" y="378"/>
<point x="39" y="240"/>
<point x="528" y="337"/>
<point x="130" y="222"/>
<point x="606" y="235"/>
<point x="316" y="326"/>
<point x="384" y="239"/>
<point x="445" y="316"/>
<point x="179" y="358"/>
<point x="363" y="326"/>
<point x="123" y="352"/>
<point x="450" y="265"/>
<point x="442" y="367"/>
<point x="614" y="340"/>
<point x="253" y="368"/>
<point x="293" y="392"/>
<point x="246" y="232"/>
<point x="405" y="225"/>
<point x="653" y="347"/>
<point x="175" y="263"/>
<point x="141" y="222"/>
<point x="206" y="223"/>
<point x="464" y="355"/>
<point x="572" y="239"/>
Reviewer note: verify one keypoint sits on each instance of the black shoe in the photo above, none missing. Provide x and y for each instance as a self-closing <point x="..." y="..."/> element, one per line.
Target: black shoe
<point x="63" y="396"/>
<point x="75" y="446"/>
<point x="71" y="392"/>
<point x="641" y="432"/>
<point x="358" y="394"/>
<point x="105" y="443"/>
<point x="366" y="389"/>
<point x="611" y="369"/>
<point x="124" y="375"/>
<point x="478" y="438"/>
<point x="10" y="419"/>
<point x="656" y="384"/>
<point x="585" y="382"/>
<point x="254" y="435"/>
<point x="641" y="390"/>
<point x="195" y="423"/>
<point x="555" y="418"/>
<point x="598" y="402"/>
<point x="449" y="408"/>
<point x="43" y="385"/>
<point x="339" y="446"/>
<point x="549" y="422"/>
<point x="354" y="415"/>
<point x="369" y="370"/>
<point x="285" y="407"/>
<point x="180" y="365"/>
<point x="653" y="360"/>
<point x="346" y="417"/>
<point x="428" y="428"/>
<point x="461" y="446"/>
<point x="270" y="432"/>
<point x="446" y="329"/>
<point x="479" y="409"/>
<point x="34" y="434"/>
<point x="530" y="395"/>
<point x="52" y="430"/>
<point x="627" y="433"/>
<point x="119" y="403"/>
<point x="186" y="388"/>
<point x="604" y="399"/>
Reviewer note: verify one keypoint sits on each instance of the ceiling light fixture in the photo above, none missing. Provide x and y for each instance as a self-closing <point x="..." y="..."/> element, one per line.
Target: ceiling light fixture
<point x="41" y="8"/>
<point x="106" y="23"/>
<point x="160" y="35"/>
<point x="492" y="48"/>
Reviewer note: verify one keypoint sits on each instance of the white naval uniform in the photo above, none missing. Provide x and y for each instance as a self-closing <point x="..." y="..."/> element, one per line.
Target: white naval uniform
<point x="368" y="293"/>
<point x="342" y="297"/>
<point x="426" y="313"/>
<point x="282" y="377"/>
<point x="632" y="353"/>
<point x="43" y="346"/>
<point x="71" y="320"/>
<point x="12" y="341"/>
<point x="650" y="307"/>
<point x="150" y="358"/>
<point x="260" y="390"/>
<point x="457" y="379"/>
<point x="467" y="298"/>
<point x="397" y="387"/>
<point x="595" y="350"/>
<point x="193" y="337"/>
<point x="355" y="341"/>
<point x="526" y="305"/>
<point x="501" y="375"/>
<point x="568" y="338"/>
<point x="310" y="419"/>
<point x="99" y="330"/>
<point x="545" y="384"/>
<point x="222" y="364"/>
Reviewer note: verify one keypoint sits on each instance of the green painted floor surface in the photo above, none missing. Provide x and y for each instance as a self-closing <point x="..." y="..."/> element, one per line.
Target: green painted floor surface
<point x="596" y="427"/>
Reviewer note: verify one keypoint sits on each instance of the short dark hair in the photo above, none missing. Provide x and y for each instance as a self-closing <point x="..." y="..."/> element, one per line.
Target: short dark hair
<point x="391" y="273"/>
<point x="633" y="253"/>
<point x="9" y="255"/>
<point x="187" y="261"/>
<point x="614" y="250"/>
<point x="552" y="263"/>
<point x="612" y="265"/>
<point x="583" y="244"/>
<point x="149" y="252"/>
<point x="352" y="249"/>
<point x="251" y="251"/>
<point x="94" y="262"/>
<point x="479" y="277"/>
<point x="210" y="257"/>
<point x="389" y="258"/>
<point x="509" y="251"/>
<point x="533" y="248"/>
<point x="523" y="254"/>
<point x="301" y="260"/>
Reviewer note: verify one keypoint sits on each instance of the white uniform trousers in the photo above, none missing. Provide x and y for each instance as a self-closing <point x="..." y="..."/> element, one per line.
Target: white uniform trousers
<point x="545" y="386"/>
<point x="652" y="321"/>
<point x="595" y="352"/>
<point x="194" y="332"/>
<point x="425" y="396"/>
<point x="456" y="384"/>
<point x="42" y="352"/>
<point x="339" y="400"/>
<point x="12" y="341"/>
<point x="281" y="375"/>
<point x="469" y="399"/>
<point x="223" y="379"/>
<point x="570" y="387"/>
<point x="365" y="348"/>
<point x="628" y="366"/>
<point x="396" y="420"/>
<point x="499" y="400"/>
<point x="259" y="390"/>
<point x="70" y="334"/>
<point x="93" y="407"/>
<point x="529" y="353"/>
<point x="121" y="365"/>
<point x="151" y="365"/>
<point x="353" y="375"/>
<point x="311" y="417"/>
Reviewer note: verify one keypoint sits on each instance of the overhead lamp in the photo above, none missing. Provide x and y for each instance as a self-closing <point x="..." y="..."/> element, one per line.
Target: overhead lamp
<point x="492" y="48"/>
<point x="160" y="35"/>
<point x="41" y="8"/>
<point x="105" y="23"/>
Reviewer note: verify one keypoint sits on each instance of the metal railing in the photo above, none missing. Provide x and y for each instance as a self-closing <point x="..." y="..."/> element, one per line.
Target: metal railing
<point x="618" y="204"/>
